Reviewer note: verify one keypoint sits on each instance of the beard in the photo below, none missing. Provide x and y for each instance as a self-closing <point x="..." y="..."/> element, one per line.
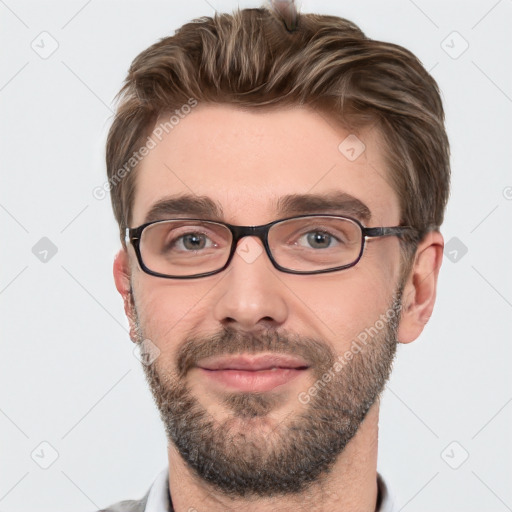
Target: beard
<point x="248" y="454"/>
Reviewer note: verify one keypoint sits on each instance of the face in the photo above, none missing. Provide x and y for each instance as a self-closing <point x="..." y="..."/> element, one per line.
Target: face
<point x="239" y="424"/>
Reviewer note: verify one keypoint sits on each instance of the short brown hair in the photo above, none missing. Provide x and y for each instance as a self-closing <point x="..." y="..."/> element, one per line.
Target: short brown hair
<point x="252" y="58"/>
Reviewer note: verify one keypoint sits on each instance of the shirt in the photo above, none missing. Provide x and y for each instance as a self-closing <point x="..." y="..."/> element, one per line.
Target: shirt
<point x="157" y="499"/>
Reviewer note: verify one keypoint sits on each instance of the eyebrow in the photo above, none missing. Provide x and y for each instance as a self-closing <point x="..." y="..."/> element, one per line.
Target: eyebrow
<point x="287" y="206"/>
<point x="333" y="202"/>
<point x="187" y="204"/>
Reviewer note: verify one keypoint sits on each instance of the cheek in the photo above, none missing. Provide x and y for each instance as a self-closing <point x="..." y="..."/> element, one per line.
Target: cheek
<point x="338" y="308"/>
<point x="169" y="311"/>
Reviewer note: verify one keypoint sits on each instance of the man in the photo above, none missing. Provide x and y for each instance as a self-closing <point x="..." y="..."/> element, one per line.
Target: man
<point x="279" y="181"/>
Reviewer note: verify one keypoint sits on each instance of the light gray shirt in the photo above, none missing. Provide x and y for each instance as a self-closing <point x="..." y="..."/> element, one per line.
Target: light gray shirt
<point x="157" y="499"/>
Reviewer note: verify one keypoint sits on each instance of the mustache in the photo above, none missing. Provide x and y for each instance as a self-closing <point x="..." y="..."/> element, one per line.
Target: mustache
<point x="230" y="342"/>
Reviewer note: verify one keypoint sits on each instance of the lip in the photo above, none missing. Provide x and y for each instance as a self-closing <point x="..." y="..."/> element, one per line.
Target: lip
<point x="251" y="380"/>
<point x="254" y="363"/>
<point x="252" y="373"/>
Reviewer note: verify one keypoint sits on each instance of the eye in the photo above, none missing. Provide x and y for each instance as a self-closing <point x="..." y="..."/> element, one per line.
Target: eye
<point x="189" y="241"/>
<point x="318" y="239"/>
<point x="193" y="241"/>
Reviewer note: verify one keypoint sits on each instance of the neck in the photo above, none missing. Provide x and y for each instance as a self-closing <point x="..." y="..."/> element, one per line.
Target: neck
<point x="350" y="486"/>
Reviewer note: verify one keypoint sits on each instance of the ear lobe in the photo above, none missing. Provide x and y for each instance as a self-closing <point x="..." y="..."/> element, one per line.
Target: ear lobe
<point x="122" y="278"/>
<point x="420" y="288"/>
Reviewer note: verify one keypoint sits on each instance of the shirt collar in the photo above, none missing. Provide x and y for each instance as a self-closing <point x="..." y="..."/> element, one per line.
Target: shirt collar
<point x="159" y="498"/>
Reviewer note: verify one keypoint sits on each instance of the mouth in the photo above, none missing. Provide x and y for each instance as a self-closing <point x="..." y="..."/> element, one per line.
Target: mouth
<point x="254" y="363"/>
<point x="252" y="373"/>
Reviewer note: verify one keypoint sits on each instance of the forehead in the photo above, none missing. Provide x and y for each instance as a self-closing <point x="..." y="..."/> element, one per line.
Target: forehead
<point x="248" y="163"/>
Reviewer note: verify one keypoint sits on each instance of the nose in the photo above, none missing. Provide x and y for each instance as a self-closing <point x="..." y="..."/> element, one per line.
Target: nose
<point x="250" y="295"/>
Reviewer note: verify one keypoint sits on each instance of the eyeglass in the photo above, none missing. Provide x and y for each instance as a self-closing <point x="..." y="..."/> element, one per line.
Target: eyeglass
<point x="307" y="244"/>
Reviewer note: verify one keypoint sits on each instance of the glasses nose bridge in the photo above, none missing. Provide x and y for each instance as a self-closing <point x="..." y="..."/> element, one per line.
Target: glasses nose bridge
<point x="240" y="232"/>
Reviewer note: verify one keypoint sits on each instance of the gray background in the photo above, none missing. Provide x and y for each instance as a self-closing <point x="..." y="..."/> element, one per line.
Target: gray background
<point x="68" y="373"/>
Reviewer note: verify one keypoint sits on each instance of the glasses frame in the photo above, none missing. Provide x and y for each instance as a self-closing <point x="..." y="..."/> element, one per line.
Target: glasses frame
<point x="133" y="236"/>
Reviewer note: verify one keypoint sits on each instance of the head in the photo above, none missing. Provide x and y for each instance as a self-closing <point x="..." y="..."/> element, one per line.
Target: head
<point x="246" y="119"/>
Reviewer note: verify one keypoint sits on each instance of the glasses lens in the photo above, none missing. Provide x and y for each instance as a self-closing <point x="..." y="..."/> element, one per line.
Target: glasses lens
<point x="315" y="243"/>
<point x="185" y="247"/>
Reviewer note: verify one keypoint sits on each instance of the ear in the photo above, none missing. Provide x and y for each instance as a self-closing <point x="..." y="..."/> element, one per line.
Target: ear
<point x="122" y="278"/>
<point x="419" y="293"/>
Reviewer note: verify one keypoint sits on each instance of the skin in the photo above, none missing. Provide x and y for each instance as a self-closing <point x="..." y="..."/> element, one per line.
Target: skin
<point x="245" y="160"/>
